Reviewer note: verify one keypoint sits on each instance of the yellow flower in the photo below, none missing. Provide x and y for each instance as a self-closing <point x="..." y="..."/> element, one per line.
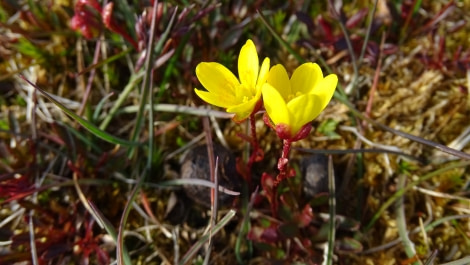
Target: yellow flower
<point x="239" y="96"/>
<point x="293" y="104"/>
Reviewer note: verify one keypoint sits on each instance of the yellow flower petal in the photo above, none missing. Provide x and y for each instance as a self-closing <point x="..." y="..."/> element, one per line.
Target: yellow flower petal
<point x="239" y="96"/>
<point x="244" y="110"/>
<point x="217" y="99"/>
<point x="248" y="64"/>
<point x="303" y="109"/>
<point x="325" y="89"/>
<point x="217" y="79"/>
<point x="275" y="105"/>
<point x="279" y="79"/>
<point x="306" y="77"/>
<point x="263" y="73"/>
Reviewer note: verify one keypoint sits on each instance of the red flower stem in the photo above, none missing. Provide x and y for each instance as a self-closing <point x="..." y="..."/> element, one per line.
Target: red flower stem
<point x="286" y="149"/>
<point x="283" y="167"/>
<point x="253" y="133"/>
<point x="282" y="164"/>
<point x="254" y="152"/>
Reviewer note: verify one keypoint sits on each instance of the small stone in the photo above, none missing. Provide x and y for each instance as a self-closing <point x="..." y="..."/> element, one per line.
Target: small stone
<point x="196" y="165"/>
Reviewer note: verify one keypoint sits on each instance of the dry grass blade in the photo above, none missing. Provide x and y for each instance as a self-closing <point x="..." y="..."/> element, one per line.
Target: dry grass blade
<point x="86" y="124"/>
<point x="203" y="240"/>
<point x="332" y="212"/>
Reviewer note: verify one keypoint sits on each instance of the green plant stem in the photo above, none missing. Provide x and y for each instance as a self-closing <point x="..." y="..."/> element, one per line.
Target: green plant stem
<point x="147" y="95"/>
<point x="401" y="220"/>
<point x="134" y="79"/>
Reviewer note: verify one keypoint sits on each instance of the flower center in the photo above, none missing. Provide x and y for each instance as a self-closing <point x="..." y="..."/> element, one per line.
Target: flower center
<point x="292" y="96"/>
<point x="244" y="93"/>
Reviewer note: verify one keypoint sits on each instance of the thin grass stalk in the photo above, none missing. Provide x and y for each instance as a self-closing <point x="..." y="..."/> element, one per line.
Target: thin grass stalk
<point x="408" y="187"/>
<point x="200" y="182"/>
<point x="401" y="220"/>
<point x="404" y="28"/>
<point x="99" y="106"/>
<point x="462" y="261"/>
<point x="214" y="210"/>
<point x="90" y="78"/>
<point x="120" y="247"/>
<point x="414" y="138"/>
<point x="332" y="211"/>
<point x="105" y="62"/>
<point x="348" y="43"/>
<point x="134" y="79"/>
<point x="128" y="13"/>
<point x="147" y="94"/>
<point x="98" y="216"/>
<point x="355" y="151"/>
<point x="375" y="82"/>
<point x="86" y="124"/>
<point x="427" y="228"/>
<point x="283" y="43"/>
<point x="245" y="227"/>
<point x="86" y="140"/>
<point x="32" y="239"/>
<point x="195" y="111"/>
<point x="146" y="85"/>
<point x="34" y="135"/>
<point x="195" y="248"/>
<point x="430" y="260"/>
<point x="366" y="38"/>
<point x="214" y="191"/>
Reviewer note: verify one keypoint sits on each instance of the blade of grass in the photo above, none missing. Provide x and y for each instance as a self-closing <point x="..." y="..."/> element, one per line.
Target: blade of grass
<point x="462" y="261"/>
<point x="146" y="86"/>
<point x="430" y="260"/>
<point x="99" y="106"/>
<point x="129" y="14"/>
<point x="134" y="79"/>
<point x="200" y="182"/>
<point x="348" y="43"/>
<point x="32" y="239"/>
<point x="196" y="111"/>
<point x="86" y="124"/>
<point x="245" y="227"/>
<point x="366" y="38"/>
<point x="98" y="216"/>
<point x="147" y="94"/>
<point x="81" y="137"/>
<point x="418" y="139"/>
<point x="104" y="62"/>
<point x="408" y="187"/>
<point x="214" y="212"/>
<point x="195" y="248"/>
<point x="332" y="211"/>
<point x="360" y="150"/>
<point x="120" y="247"/>
<point x="401" y="221"/>
<point x="213" y="163"/>
<point x="86" y="94"/>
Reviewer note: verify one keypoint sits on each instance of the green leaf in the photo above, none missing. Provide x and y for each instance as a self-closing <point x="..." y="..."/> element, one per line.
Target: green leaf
<point x="88" y="125"/>
<point x="328" y="128"/>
